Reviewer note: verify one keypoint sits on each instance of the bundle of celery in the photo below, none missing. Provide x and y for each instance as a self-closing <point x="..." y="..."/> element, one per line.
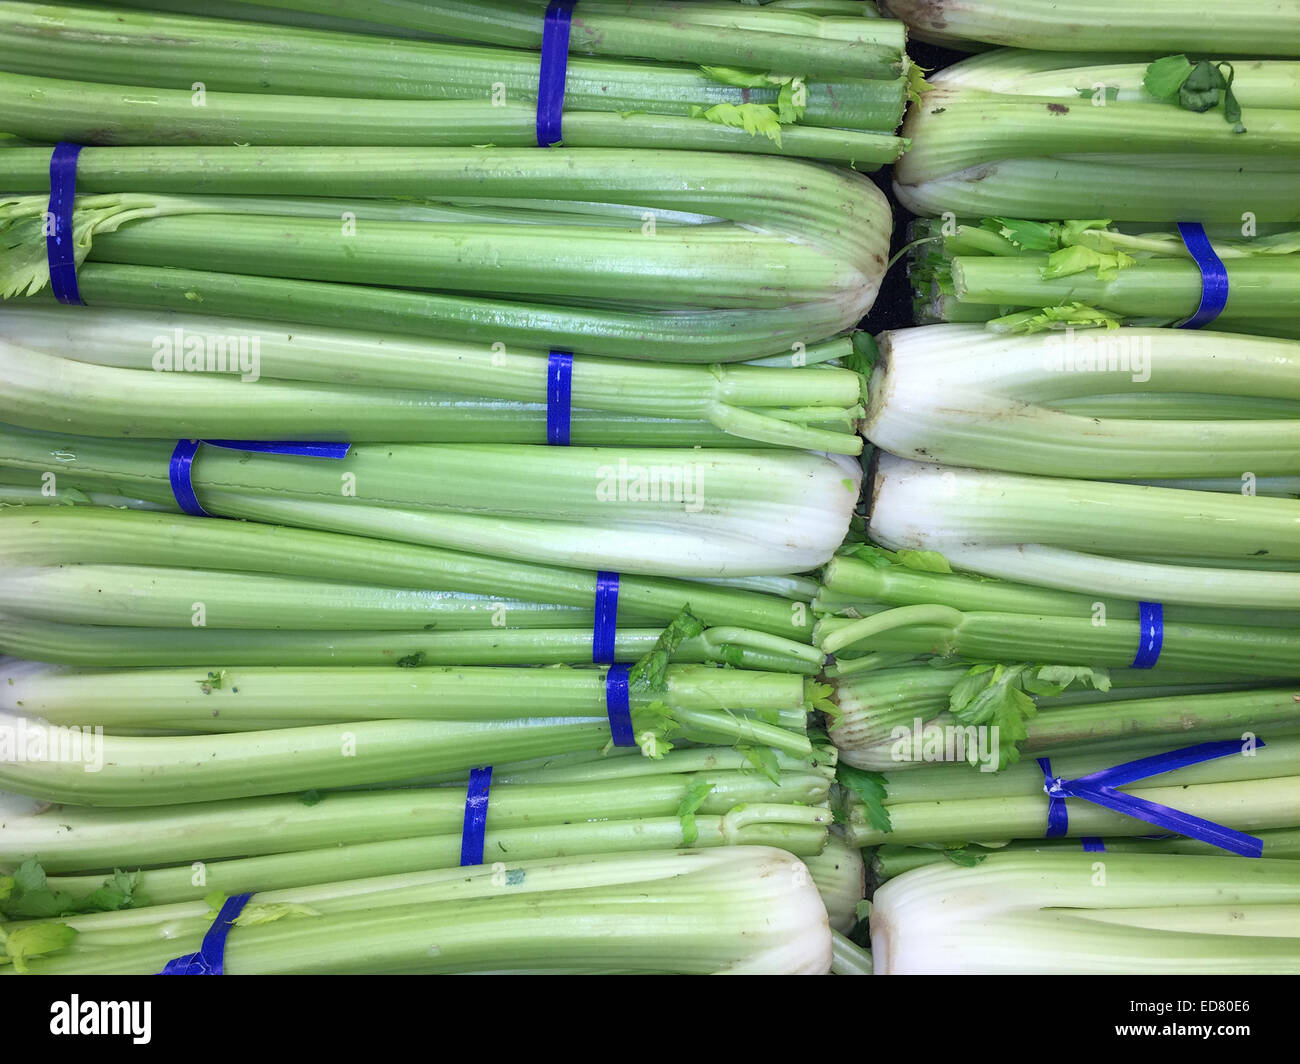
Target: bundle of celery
<point x="890" y="861"/>
<point x="689" y="798"/>
<point x="141" y="373"/>
<point x="670" y="512"/>
<point x="879" y="609"/>
<point x="1153" y="544"/>
<point x="736" y="909"/>
<point x="894" y="718"/>
<point x="214" y="749"/>
<point x="1262" y="27"/>
<point x="127" y="701"/>
<point x="672" y="256"/>
<point x="1109" y="404"/>
<point x="1255" y="788"/>
<point x="1022" y="276"/>
<point x="1067" y="135"/>
<point x="742" y="80"/>
<point x="88" y="585"/>
<point x="1084" y="913"/>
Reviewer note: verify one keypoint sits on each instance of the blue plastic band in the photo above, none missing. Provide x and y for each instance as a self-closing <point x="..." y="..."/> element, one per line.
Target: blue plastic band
<point x="559" y="397"/>
<point x="1092" y="844"/>
<point x="618" y="704"/>
<point x="606" y="625"/>
<point x="476" y="807"/>
<point x="1151" y="634"/>
<point x="554" y="72"/>
<point x="1099" y="788"/>
<point x="1058" y="819"/>
<point x="1214" y="277"/>
<point x="211" y="957"/>
<point x="58" y="242"/>
<point x="181" y="468"/>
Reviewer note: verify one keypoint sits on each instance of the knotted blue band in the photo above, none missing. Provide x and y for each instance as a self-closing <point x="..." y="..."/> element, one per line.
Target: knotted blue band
<point x="605" y="627"/>
<point x="618" y="704"/>
<point x="211" y="957"/>
<point x="58" y="239"/>
<point x="1151" y="634"/>
<point x="180" y="469"/>
<point x="1099" y="788"/>
<point x="559" y="397"/>
<point x="554" y="72"/>
<point x="476" y="808"/>
<point x="1214" y="277"/>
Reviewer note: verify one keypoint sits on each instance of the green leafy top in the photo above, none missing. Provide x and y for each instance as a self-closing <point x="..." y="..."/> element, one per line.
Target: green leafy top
<point x="27" y="895"/>
<point x="998" y="696"/>
<point x="869" y="787"/>
<point x="33" y="940"/>
<point x="695" y="797"/>
<point x="765" y="118"/>
<point x="1045" y="319"/>
<point x="924" y="561"/>
<point x="1195" y="86"/>
<point x="650" y="674"/>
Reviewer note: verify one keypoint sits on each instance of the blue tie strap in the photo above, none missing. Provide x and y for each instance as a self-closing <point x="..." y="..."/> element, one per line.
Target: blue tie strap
<point x="211" y="957"/>
<point x="1100" y="789"/>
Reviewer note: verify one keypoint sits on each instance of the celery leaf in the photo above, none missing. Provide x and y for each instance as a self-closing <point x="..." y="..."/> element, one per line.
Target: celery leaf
<point x="33" y="940"/>
<point x="869" y="787"/>
<point x="695" y="797"/>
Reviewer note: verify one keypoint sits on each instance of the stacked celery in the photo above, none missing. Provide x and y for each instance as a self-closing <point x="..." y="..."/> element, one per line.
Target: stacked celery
<point x="718" y="76"/>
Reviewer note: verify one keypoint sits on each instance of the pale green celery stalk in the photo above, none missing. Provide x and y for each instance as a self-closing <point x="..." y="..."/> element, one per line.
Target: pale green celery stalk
<point x="94" y="536"/>
<point x="155" y="597"/>
<point x="935" y="391"/>
<point x="153" y="770"/>
<point x="942" y="128"/>
<point x="800" y="200"/>
<point x="53" y="108"/>
<point x="795" y="588"/>
<point x="121" y="48"/>
<point x="889" y="860"/>
<point x="714" y="185"/>
<point x="1279" y="487"/>
<point x="1149" y="189"/>
<point x="1150" y="287"/>
<point x="50" y="392"/>
<point x="1177" y="407"/>
<point x="1016" y="637"/>
<point x="660" y="511"/>
<point x="640" y="333"/>
<point x="721" y="266"/>
<point x="868" y="738"/>
<point x="251" y="699"/>
<point x="946" y="802"/>
<point x="1075" y="75"/>
<point x="852" y="586"/>
<point x="841" y="877"/>
<point x="849" y="958"/>
<point x="452" y="419"/>
<point x="795" y="829"/>
<point x="104" y="645"/>
<point x="69" y="839"/>
<point x="1008" y="525"/>
<point x="1040" y="913"/>
<point x="624" y="763"/>
<point x="719" y="33"/>
<point x="148" y="770"/>
<point x="1259" y="27"/>
<point x="1277" y="757"/>
<point x="734" y="909"/>
<point x="136" y="340"/>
